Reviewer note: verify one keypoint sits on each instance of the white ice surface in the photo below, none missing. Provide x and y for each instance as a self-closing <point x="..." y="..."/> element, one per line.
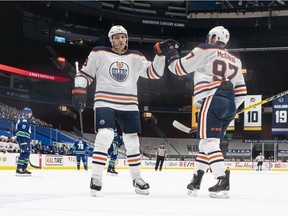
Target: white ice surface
<point x="66" y="193"/>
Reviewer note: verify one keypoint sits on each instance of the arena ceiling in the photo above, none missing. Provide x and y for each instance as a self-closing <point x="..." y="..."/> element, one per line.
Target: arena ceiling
<point x="266" y="68"/>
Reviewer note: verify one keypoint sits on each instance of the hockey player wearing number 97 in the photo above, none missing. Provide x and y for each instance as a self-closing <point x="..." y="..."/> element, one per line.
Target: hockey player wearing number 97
<point x="117" y="71"/>
<point x="219" y="89"/>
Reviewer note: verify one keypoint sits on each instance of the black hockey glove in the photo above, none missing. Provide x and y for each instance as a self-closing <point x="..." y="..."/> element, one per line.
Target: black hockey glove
<point x="79" y="98"/>
<point x="163" y="47"/>
<point x="172" y="55"/>
<point x="227" y="85"/>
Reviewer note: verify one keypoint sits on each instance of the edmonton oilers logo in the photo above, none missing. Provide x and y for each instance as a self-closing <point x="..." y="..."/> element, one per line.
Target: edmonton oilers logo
<point x="119" y="71"/>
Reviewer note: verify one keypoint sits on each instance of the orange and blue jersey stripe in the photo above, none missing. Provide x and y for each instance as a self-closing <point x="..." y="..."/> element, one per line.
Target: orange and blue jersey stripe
<point x="240" y="90"/>
<point x="201" y="87"/>
<point x="85" y="75"/>
<point x="179" y="69"/>
<point x="151" y="73"/>
<point x="116" y="98"/>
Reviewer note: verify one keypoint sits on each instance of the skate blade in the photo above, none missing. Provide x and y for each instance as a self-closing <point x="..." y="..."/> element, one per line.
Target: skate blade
<point x="141" y="192"/>
<point x="93" y="193"/>
<point x="23" y="175"/>
<point x="219" y="195"/>
<point x="192" y="193"/>
<point x="111" y="174"/>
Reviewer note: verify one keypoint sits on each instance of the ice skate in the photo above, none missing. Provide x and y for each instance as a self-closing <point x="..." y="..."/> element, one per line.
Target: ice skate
<point x="112" y="172"/>
<point x="28" y="173"/>
<point x="95" y="185"/>
<point x="22" y="173"/>
<point x="221" y="189"/>
<point x="195" y="183"/>
<point x="141" y="187"/>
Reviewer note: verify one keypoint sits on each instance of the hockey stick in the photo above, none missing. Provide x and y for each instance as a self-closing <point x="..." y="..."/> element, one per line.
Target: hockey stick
<point x="182" y="127"/>
<point x="75" y="130"/>
<point x="188" y="130"/>
<point x="80" y="117"/>
<point x="263" y="101"/>
<point x="34" y="166"/>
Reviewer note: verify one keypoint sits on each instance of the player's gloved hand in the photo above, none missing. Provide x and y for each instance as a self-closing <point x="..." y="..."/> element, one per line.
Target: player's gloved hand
<point x="227" y="85"/>
<point x="171" y="56"/>
<point x="163" y="47"/>
<point x="79" y="98"/>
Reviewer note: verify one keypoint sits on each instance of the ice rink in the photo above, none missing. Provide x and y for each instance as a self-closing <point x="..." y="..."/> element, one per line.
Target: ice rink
<point x="66" y="193"/>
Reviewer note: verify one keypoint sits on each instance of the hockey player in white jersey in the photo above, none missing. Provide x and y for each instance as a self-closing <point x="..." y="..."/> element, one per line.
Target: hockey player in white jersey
<point x="260" y="158"/>
<point x="219" y="89"/>
<point x="117" y="70"/>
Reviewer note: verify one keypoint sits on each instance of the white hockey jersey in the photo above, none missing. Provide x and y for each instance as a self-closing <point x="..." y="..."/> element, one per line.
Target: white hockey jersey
<point x="117" y="75"/>
<point x="211" y="66"/>
<point x="260" y="158"/>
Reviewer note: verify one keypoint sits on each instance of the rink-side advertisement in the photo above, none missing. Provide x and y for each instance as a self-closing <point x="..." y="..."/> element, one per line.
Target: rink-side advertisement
<point x="8" y="162"/>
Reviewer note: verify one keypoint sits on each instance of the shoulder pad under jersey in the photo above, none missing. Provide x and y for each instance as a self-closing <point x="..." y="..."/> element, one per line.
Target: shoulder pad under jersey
<point x="103" y="48"/>
<point x="133" y="52"/>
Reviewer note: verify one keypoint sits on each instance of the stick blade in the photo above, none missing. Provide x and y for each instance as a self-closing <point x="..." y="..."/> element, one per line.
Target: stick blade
<point x="182" y="127"/>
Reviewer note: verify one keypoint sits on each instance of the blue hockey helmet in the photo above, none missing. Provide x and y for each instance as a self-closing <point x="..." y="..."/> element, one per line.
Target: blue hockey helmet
<point x="27" y="111"/>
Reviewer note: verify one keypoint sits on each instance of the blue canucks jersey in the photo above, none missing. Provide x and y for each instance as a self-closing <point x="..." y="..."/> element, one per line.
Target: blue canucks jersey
<point x="23" y="129"/>
<point x="80" y="147"/>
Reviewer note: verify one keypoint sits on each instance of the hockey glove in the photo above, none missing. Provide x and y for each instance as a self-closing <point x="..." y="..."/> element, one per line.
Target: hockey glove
<point x="227" y="85"/>
<point x="172" y="55"/>
<point x="163" y="47"/>
<point x="79" y="98"/>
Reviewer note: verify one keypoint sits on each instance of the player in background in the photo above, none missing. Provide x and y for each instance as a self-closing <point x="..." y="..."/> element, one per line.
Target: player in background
<point x="117" y="71"/>
<point x="113" y="153"/>
<point x="219" y="89"/>
<point x="260" y="158"/>
<point x="23" y="132"/>
<point x="80" y="148"/>
<point x="161" y="153"/>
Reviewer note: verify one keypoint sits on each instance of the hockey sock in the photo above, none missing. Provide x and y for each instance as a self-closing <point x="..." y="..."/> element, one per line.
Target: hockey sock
<point x="134" y="162"/>
<point x="103" y="141"/>
<point x="133" y="154"/>
<point x="211" y="147"/>
<point x="216" y="161"/>
<point x="202" y="162"/>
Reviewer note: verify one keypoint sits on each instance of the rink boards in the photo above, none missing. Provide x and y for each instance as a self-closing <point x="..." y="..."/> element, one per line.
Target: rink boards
<point x="8" y="162"/>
